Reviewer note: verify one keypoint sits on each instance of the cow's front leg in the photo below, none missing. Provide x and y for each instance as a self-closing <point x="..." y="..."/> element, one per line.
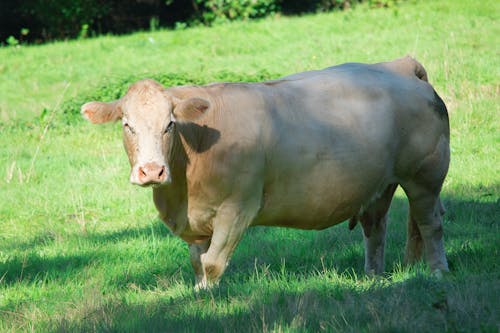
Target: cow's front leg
<point x="229" y="225"/>
<point x="196" y="250"/>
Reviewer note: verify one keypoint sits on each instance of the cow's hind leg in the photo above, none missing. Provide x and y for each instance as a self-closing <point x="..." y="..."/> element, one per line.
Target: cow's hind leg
<point x="425" y="230"/>
<point x="374" y="221"/>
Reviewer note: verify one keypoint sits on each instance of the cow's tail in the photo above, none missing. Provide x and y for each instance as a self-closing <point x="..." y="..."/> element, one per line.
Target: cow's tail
<point x="419" y="70"/>
<point x="407" y="66"/>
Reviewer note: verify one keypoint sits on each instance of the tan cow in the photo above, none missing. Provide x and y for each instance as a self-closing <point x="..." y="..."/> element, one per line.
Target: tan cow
<point x="306" y="151"/>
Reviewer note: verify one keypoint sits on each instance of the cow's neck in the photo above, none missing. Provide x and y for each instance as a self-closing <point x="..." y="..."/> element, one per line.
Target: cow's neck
<point x="189" y="141"/>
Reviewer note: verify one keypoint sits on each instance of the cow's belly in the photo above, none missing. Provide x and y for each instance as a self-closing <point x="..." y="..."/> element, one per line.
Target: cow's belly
<point x="327" y="194"/>
<point x="308" y="213"/>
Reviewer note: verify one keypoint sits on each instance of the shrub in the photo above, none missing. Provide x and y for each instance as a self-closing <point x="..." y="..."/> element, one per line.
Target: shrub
<point x="209" y="11"/>
<point x="41" y="20"/>
<point x="114" y="90"/>
<point x="59" y="19"/>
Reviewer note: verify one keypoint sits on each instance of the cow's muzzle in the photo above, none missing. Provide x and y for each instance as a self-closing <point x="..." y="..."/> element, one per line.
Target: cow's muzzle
<point x="150" y="174"/>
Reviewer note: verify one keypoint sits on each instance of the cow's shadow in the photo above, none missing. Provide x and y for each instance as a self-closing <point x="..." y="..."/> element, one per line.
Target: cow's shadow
<point x="272" y="250"/>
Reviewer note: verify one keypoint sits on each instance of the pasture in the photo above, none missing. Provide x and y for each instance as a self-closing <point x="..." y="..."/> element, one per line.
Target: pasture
<point x="83" y="250"/>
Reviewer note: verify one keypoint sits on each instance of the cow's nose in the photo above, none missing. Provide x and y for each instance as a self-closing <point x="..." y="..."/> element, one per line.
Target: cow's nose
<point x="151" y="173"/>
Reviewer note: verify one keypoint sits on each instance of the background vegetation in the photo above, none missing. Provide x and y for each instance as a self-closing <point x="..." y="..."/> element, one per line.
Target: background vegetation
<point x="82" y="250"/>
<point x="42" y="20"/>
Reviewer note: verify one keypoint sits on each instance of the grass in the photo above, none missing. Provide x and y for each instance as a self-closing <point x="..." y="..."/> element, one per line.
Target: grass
<point x="82" y="250"/>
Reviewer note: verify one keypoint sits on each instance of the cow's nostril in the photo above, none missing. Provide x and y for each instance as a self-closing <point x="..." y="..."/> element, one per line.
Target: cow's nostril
<point x="151" y="173"/>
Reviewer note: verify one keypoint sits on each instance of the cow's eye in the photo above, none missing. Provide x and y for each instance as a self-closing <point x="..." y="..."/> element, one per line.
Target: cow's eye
<point x="127" y="127"/>
<point x="169" y="128"/>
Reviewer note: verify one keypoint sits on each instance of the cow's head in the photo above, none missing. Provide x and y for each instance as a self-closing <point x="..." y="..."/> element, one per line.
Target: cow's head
<point x="148" y="114"/>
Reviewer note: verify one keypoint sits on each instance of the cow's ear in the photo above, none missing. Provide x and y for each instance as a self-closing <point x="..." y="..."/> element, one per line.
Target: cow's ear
<point x="190" y="109"/>
<point x="101" y="112"/>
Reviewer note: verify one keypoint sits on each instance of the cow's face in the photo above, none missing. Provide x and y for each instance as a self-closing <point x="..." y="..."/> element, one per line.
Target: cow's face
<point x="148" y="115"/>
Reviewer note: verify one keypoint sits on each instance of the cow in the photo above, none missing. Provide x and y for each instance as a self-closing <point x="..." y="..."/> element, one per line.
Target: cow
<point x="306" y="151"/>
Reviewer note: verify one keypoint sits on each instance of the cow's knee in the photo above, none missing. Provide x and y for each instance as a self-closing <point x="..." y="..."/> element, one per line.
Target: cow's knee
<point x="213" y="268"/>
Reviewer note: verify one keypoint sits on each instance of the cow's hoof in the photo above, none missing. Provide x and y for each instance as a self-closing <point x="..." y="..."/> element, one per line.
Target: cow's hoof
<point x="204" y="285"/>
<point x="440" y="273"/>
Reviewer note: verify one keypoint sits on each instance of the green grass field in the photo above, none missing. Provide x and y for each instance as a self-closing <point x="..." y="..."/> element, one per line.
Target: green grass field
<point x="82" y="250"/>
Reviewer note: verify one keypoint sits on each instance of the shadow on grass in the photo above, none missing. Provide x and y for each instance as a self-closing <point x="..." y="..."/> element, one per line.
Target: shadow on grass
<point x="418" y="304"/>
<point x="32" y="267"/>
<point x="27" y="265"/>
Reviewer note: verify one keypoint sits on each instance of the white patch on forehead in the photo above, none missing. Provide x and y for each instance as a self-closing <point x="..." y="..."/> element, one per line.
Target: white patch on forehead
<point x="145" y="93"/>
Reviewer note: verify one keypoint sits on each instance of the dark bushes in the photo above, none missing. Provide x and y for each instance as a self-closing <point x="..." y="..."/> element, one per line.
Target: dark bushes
<point x="59" y="19"/>
<point x="42" y="20"/>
